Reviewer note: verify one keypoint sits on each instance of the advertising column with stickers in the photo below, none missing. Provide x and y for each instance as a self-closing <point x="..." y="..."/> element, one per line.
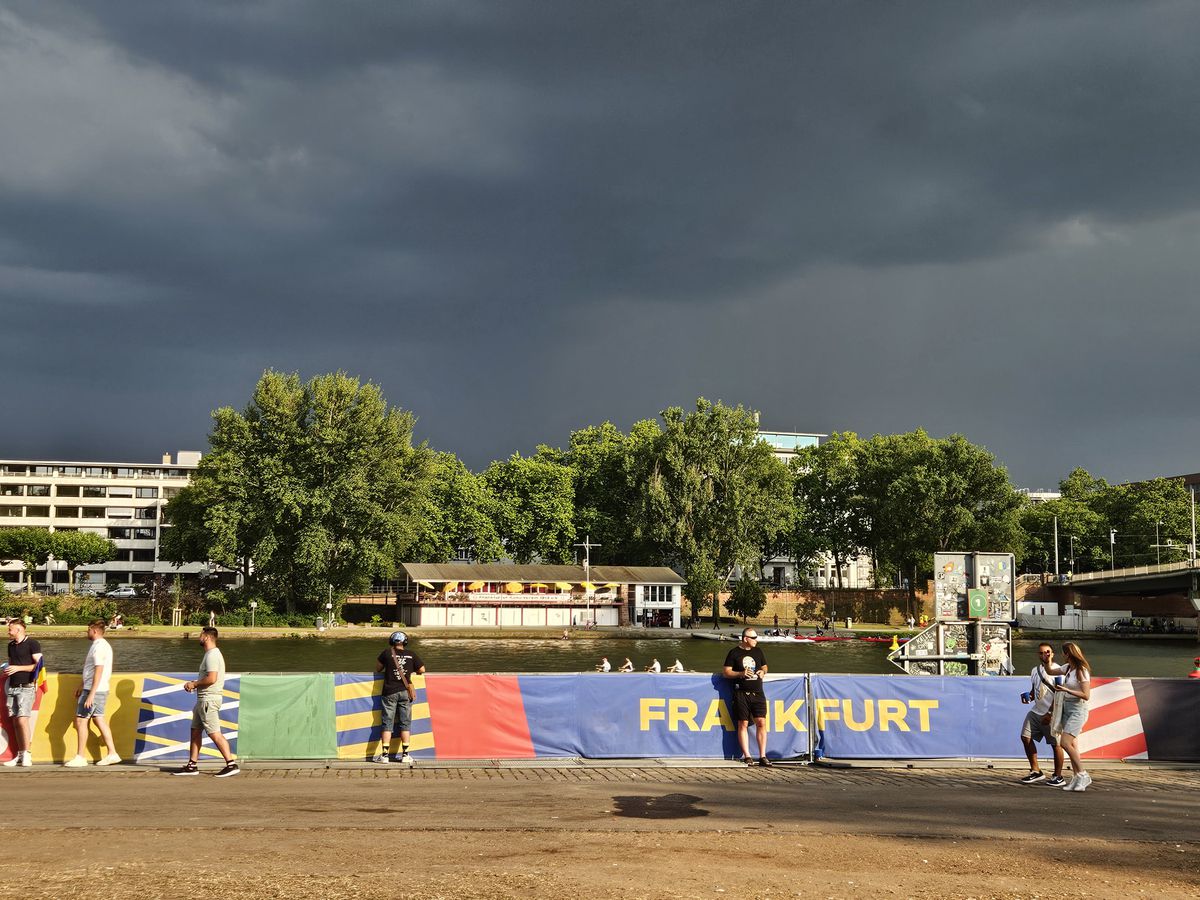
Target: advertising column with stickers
<point x="973" y="613"/>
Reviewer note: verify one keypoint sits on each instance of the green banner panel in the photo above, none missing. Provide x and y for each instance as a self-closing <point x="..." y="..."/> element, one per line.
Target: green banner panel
<point x="287" y="717"/>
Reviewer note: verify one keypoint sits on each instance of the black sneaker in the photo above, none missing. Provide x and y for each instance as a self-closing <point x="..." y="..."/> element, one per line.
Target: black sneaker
<point x="190" y="769"/>
<point x="1056" y="781"/>
<point x="1033" y="778"/>
<point x="230" y="769"/>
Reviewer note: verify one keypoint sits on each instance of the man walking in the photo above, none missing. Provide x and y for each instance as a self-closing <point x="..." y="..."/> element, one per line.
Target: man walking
<point x="92" y="697"/>
<point x="24" y="654"/>
<point x="745" y="666"/>
<point x="398" y="667"/>
<point x="206" y="717"/>
<point x="1037" y="721"/>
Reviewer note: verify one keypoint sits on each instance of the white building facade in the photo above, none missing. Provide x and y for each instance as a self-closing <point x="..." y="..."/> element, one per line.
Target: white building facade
<point x="122" y="502"/>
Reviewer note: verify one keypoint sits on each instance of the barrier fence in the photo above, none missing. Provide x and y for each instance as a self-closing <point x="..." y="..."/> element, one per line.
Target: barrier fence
<point x="607" y="716"/>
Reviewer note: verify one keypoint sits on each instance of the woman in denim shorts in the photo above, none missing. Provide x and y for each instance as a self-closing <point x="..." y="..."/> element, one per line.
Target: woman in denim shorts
<point x="1076" y="689"/>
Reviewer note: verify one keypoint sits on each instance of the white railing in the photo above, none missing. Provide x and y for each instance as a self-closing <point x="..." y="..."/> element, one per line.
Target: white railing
<point x="1133" y="571"/>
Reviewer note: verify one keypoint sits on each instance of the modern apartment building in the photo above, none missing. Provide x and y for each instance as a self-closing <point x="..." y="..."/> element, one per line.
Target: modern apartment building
<point x="120" y="501"/>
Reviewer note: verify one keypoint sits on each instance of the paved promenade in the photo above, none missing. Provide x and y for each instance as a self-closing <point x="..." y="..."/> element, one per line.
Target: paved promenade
<point x="597" y="830"/>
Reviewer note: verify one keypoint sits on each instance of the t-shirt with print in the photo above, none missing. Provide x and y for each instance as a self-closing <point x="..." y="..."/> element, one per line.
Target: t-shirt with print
<point x="393" y="664"/>
<point x="1043" y="693"/>
<point x="99" y="654"/>
<point x="213" y="661"/>
<point x="21" y="654"/>
<point x="751" y="660"/>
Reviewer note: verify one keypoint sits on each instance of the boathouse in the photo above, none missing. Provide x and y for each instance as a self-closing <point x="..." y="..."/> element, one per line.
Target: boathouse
<point x="511" y="596"/>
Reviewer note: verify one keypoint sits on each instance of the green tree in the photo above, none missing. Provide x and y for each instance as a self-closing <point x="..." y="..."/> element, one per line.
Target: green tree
<point x="315" y="487"/>
<point x="533" y="507"/>
<point x="81" y="548"/>
<point x="458" y="514"/>
<point x="30" y="546"/>
<point x="922" y="495"/>
<point x="714" y="490"/>
<point x="702" y="586"/>
<point x="830" y="515"/>
<point x="747" y="599"/>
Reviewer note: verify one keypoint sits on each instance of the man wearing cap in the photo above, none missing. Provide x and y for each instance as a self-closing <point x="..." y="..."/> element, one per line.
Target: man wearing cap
<point x="745" y="666"/>
<point x="398" y="667"/>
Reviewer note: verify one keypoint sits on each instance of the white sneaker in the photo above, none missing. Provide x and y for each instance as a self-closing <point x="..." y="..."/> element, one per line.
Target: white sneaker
<point x="1081" y="782"/>
<point x="1070" y="785"/>
<point x="110" y="760"/>
<point x="75" y="762"/>
<point x="27" y="759"/>
<point x="406" y="759"/>
<point x="15" y="761"/>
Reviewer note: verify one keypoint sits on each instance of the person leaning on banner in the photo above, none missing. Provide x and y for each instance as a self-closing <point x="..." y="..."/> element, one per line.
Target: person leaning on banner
<point x="745" y="666"/>
<point x="24" y="656"/>
<point x="1036" y="726"/>
<point x="398" y="667"/>
<point x="1195" y="673"/>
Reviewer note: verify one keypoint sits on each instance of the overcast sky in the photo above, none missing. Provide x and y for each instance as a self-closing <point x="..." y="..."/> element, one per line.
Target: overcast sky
<point x="523" y="218"/>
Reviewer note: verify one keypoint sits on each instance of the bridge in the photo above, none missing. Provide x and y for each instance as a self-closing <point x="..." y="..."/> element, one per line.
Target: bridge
<point x="1165" y="578"/>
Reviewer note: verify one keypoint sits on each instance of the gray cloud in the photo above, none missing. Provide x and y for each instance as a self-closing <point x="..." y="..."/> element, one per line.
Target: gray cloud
<point x="523" y="218"/>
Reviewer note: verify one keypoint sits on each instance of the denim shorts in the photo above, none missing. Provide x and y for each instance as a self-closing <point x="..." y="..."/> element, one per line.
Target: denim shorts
<point x="1074" y="716"/>
<point x="97" y="709"/>
<point x="207" y="715"/>
<point x="20" y="700"/>
<point x="397" y="711"/>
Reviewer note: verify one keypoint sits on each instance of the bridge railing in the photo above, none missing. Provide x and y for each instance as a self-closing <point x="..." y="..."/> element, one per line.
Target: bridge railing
<point x="1133" y="571"/>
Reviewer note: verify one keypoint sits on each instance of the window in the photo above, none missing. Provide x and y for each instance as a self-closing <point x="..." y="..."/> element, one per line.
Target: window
<point x="14" y="470"/>
<point x="126" y="473"/>
<point x="12" y="490"/>
<point x="147" y="512"/>
<point x="67" y="490"/>
<point x="43" y="470"/>
<point x="93" y="512"/>
<point x="142" y="556"/>
<point x="37" y="511"/>
<point x="66" y="512"/>
<point x="143" y="534"/>
<point x="39" y="490"/>
<point x="147" y="473"/>
<point x="147" y="492"/>
<point x="95" y="471"/>
<point x="176" y="473"/>
<point x="11" y="512"/>
<point x="658" y="593"/>
<point x="118" y="534"/>
<point x="92" y="491"/>
<point x="71" y="470"/>
<point x="169" y="493"/>
<point x="120" y="492"/>
<point x="120" y="512"/>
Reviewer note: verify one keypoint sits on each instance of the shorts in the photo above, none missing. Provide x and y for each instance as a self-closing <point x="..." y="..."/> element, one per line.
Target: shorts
<point x="206" y="716"/>
<point x="1037" y="730"/>
<point x="20" y="700"/>
<point x="397" y="711"/>
<point x="1074" y="716"/>
<point x="749" y="705"/>
<point x="97" y="709"/>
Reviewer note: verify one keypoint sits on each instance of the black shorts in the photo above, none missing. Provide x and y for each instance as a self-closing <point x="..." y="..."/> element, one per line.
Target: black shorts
<point x="747" y="706"/>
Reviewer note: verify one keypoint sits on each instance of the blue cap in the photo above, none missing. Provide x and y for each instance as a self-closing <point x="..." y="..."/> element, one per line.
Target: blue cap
<point x="398" y="637"/>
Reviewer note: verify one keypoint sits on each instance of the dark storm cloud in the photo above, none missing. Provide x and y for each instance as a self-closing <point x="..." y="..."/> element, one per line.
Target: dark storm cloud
<point x="522" y="218"/>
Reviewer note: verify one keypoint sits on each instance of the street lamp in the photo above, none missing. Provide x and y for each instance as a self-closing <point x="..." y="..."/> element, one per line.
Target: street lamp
<point x="1157" y="543"/>
<point x="253" y="607"/>
<point x="1112" y="548"/>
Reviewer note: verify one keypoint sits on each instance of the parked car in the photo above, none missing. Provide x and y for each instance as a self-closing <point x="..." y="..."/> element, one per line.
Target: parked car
<point x="123" y="593"/>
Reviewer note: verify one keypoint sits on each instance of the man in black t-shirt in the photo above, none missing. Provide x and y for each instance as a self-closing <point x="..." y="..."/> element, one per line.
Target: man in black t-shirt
<point x="24" y="654"/>
<point x="398" y="667"/>
<point x="745" y="666"/>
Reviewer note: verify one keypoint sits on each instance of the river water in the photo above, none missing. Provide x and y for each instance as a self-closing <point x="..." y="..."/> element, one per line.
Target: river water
<point x="1109" y="657"/>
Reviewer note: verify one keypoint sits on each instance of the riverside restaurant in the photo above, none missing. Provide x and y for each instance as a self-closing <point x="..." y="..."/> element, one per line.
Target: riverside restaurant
<point x="512" y="596"/>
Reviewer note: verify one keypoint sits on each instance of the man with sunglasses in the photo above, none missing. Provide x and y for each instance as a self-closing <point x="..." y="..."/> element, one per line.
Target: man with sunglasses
<point x="1036" y="726"/>
<point x="745" y="666"/>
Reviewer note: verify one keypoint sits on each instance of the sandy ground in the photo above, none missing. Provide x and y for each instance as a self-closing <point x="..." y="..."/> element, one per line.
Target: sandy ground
<point x="636" y="831"/>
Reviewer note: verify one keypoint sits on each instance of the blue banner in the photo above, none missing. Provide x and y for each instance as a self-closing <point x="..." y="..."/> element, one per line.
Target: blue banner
<point x="606" y="716"/>
<point x="927" y="717"/>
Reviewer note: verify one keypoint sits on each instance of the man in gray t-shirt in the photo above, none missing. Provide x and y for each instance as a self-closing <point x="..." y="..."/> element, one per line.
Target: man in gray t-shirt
<point x="206" y="717"/>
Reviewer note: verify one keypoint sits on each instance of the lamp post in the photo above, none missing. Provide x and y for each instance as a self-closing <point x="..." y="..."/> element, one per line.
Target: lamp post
<point x="253" y="607"/>
<point x="1157" y="543"/>
<point x="1112" y="548"/>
